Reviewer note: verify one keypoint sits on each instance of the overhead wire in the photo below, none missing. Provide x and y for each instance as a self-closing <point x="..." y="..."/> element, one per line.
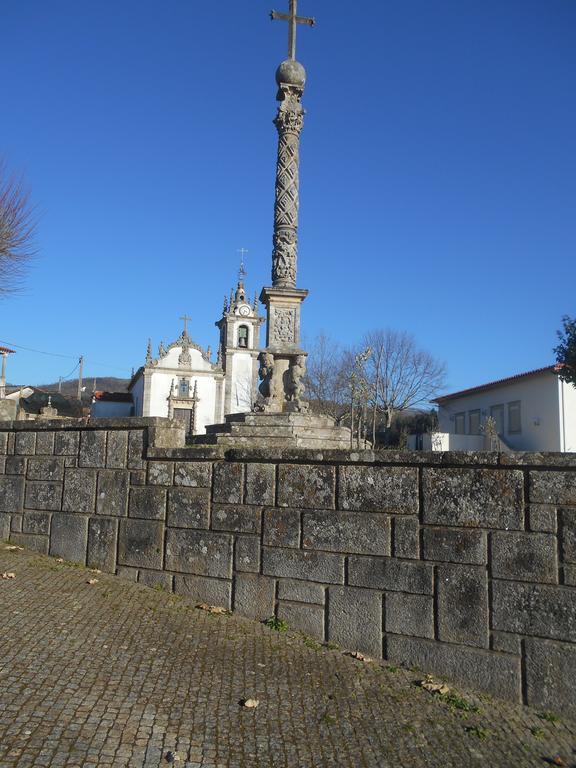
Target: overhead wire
<point x="57" y="354"/>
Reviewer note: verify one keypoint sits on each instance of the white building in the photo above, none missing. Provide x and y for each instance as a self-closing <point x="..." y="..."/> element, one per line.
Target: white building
<point x="533" y="411"/>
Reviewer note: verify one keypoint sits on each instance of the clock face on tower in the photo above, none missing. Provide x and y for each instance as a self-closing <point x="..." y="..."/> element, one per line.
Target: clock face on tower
<point x="244" y="310"/>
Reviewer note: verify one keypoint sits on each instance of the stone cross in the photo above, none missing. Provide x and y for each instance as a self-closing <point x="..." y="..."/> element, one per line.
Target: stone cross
<point x="293" y="21"/>
<point x="186" y="319"/>
<point x="242" y="270"/>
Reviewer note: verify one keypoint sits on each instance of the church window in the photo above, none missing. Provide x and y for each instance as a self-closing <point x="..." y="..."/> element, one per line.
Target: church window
<point x="514" y="418"/>
<point x="474" y="422"/>
<point x="243" y="336"/>
<point x="184" y="388"/>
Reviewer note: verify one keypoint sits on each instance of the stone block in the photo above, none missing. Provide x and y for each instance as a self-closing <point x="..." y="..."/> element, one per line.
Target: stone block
<point x="193" y="474"/>
<point x="391" y="574"/>
<point x="3" y="443"/>
<point x="524" y="556"/>
<point x="324" y="567"/>
<point x="36" y="522"/>
<point x="462" y="605"/>
<point x="493" y="673"/>
<point x="45" y="468"/>
<point x="4" y="526"/>
<point x="128" y="574"/>
<point x="301" y="591"/>
<point x="379" y="489"/>
<point x="474" y="498"/>
<point x="66" y="443"/>
<point x="260" y="484"/>
<point x="43" y="496"/>
<point x="542" y="518"/>
<point x="282" y="527"/>
<point x="10" y="445"/>
<point x="69" y="537"/>
<point x="365" y="533"/>
<point x="160" y="472"/>
<point x="300" y="617"/>
<point x="117" y="449"/>
<point x="551" y="675"/>
<point x="189" y="508"/>
<point x="199" y="552"/>
<point x="446" y="545"/>
<point x="16" y="523"/>
<point x="112" y="496"/>
<point x="136" y="449"/>
<point x="236" y="518"/>
<point x="355" y="619"/>
<point x="140" y="543"/>
<point x="247" y="554"/>
<point x="102" y="542"/>
<point x="31" y="541"/>
<point x="92" y="448"/>
<point x="541" y="610"/>
<point x="156" y="579"/>
<point x="25" y="444"/>
<point x="308" y="486"/>
<point x="44" y="443"/>
<point x="568" y="535"/>
<point x="15" y="465"/>
<point x="137" y="477"/>
<point x="406" y="537"/>
<point x="506" y="643"/>
<point x="228" y="483"/>
<point x="147" y="503"/>
<point x="570" y="575"/>
<point x="254" y="596"/>
<point x="70" y="461"/>
<point x="2" y="465"/>
<point x="79" y="490"/>
<point x="553" y="487"/>
<point x="409" y="614"/>
<point x="200" y="589"/>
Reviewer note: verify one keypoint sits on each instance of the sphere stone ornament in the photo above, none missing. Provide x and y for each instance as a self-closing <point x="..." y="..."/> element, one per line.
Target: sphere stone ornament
<point x="291" y="72"/>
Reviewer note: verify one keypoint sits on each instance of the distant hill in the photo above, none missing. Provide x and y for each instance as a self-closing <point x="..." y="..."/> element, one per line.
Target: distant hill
<point x="103" y="383"/>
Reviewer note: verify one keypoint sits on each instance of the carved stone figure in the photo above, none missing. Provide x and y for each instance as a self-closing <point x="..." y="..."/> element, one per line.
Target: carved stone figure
<point x="296" y="379"/>
<point x="265" y="373"/>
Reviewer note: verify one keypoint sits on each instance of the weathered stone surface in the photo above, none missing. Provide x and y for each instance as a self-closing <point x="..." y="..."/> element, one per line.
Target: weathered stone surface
<point x="128" y="574"/>
<point x="474" y="498"/>
<point x="44" y="443"/>
<point x="455" y="546"/>
<point x="493" y="673"/>
<point x="568" y="517"/>
<point x="79" y="490"/>
<point x="189" y="508"/>
<point x="506" y="643"/>
<point x="25" y="444"/>
<point x="137" y="477"/>
<point x="112" y="495"/>
<point x="15" y="465"/>
<point x="36" y="522"/>
<point x="247" y="554"/>
<point x="147" y="503"/>
<point x="160" y="472"/>
<point x="355" y="619"/>
<point x="546" y="611"/>
<point x="43" y="496"/>
<point x="117" y="449"/>
<point x="236" y="518"/>
<point x="409" y="614"/>
<point x="156" y="579"/>
<point x="407" y="537"/>
<point x="260" y="484"/>
<point x="3" y="443"/>
<point x="542" y="518"/>
<point x="4" y="526"/>
<point x="102" y="538"/>
<point x="66" y="443"/>
<point x="390" y="574"/>
<point x="570" y="575"/>
<point x="366" y="533"/>
<point x="11" y="494"/>
<point x="553" y="487"/>
<point x="228" y="482"/>
<point x="379" y="489"/>
<point x="307" y="486"/>
<point x="301" y="591"/>
<point x="308" y="619"/>
<point x="69" y="537"/>
<point x="45" y="468"/>
<point x="193" y="474"/>
<point x="92" y="449"/>
<point x="16" y="523"/>
<point x="254" y="596"/>
<point x="136" y="449"/>
<point x="325" y="567"/>
<point x="200" y="589"/>
<point x="282" y="527"/>
<point x="140" y="543"/>
<point x="200" y="552"/>
<point x="462" y="596"/>
<point x="551" y="675"/>
<point x="31" y="541"/>
<point x="524" y="556"/>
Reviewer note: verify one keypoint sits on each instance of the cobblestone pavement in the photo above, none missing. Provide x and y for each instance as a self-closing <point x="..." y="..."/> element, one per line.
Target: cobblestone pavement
<point x="116" y="674"/>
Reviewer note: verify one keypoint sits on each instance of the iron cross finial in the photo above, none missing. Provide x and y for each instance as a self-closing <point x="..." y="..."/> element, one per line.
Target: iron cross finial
<point x="242" y="270"/>
<point x="293" y="20"/>
<point x="186" y="319"/>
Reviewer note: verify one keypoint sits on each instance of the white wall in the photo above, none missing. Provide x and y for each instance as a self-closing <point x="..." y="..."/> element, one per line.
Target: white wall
<point x="138" y="396"/>
<point x="160" y="384"/>
<point x="241" y="400"/>
<point x="567" y="393"/>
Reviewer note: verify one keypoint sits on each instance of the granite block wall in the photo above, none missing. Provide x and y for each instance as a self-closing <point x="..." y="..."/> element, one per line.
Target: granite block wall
<point x="463" y="565"/>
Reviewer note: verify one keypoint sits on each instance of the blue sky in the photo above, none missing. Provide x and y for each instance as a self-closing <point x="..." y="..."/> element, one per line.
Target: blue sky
<point x="438" y="173"/>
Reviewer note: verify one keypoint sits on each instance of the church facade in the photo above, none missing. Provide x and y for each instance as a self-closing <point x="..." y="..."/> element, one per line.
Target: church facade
<point x="183" y="383"/>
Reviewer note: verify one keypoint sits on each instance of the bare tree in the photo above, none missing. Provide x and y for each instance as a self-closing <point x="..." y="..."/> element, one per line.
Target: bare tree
<point x="401" y="375"/>
<point x="17" y="227"/>
<point x="326" y="380"/>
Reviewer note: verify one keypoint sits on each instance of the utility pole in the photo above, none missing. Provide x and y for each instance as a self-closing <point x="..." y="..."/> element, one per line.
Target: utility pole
<point x="80" y="372"/>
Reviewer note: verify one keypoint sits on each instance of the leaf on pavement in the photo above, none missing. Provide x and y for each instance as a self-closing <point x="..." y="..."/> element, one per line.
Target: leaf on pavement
<point x="250" y="703"/>
<point x="8" y="575"/>
<point x="92" y="581"/>
<point x="13" y="548"/>
<point x="432" y="686"/>
<point x="216" y="610"/>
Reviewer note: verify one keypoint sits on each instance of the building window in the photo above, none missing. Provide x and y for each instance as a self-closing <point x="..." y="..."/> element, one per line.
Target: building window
<point x="474" y="422"/>
<point x="497" y="413"/>
<point x="460" y="423"/>
<point x="514" y="419"/>
<point x="243" y="336"/>
<point x="184" y="388"/>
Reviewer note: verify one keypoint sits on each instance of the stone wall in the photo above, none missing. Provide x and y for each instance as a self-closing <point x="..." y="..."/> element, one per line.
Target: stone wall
<point x="459" y="564"/>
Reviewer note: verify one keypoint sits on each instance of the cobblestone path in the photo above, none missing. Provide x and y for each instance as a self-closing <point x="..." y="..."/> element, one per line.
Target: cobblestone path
<point x="116" y="674"/>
